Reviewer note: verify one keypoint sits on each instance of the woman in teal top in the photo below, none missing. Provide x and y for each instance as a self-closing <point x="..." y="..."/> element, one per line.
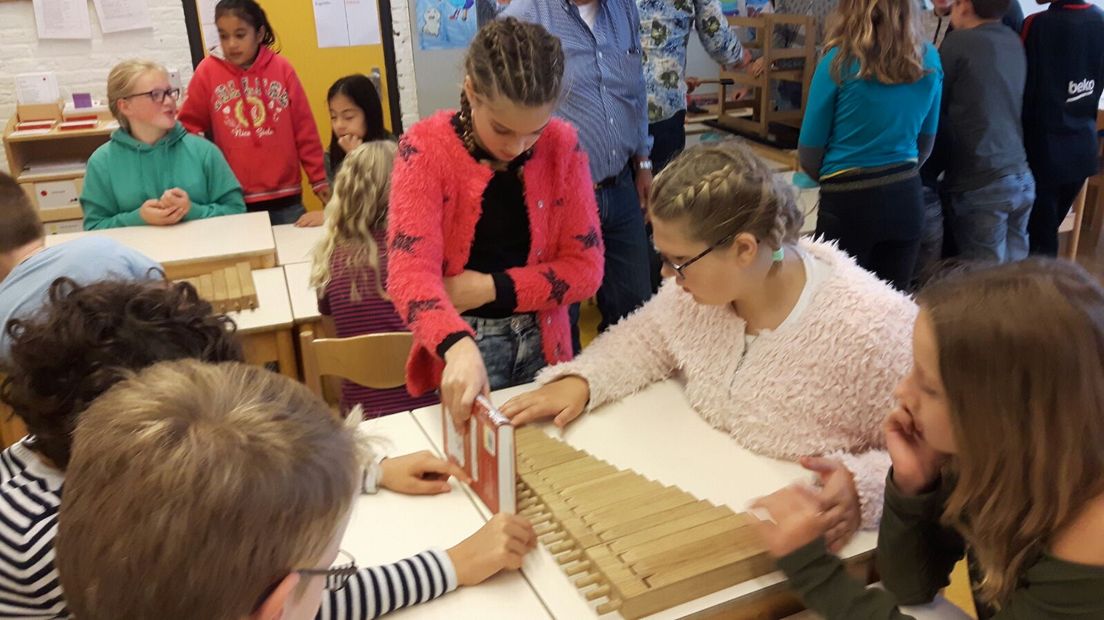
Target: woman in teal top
<point x="869" y="123"/>
<point x="152" y="171"/>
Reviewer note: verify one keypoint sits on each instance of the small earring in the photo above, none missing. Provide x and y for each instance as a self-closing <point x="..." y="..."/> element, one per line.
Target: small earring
<point x="778" y="255"/>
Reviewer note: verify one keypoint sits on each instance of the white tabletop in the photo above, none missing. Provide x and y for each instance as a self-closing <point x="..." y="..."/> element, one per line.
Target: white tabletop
<point x="227" y="236"/>
<point x="304" y="301"/>
<point x="658" y="435"/>
<point x="295" y="244"/>
<point x="273" y="307"/>
<point x="387" y="527"/>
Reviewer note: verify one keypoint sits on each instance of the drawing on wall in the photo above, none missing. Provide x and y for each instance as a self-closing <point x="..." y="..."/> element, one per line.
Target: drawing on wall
<point x="445" y="24"/>
<point x="755" y="7"/>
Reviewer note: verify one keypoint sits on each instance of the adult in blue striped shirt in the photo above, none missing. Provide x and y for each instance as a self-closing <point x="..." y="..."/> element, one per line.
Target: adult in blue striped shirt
<point x="604" y="97"/>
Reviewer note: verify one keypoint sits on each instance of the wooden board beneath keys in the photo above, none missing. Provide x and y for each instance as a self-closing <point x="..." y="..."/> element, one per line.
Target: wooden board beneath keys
<point x="640" y="545"/>
<point x="229" y="289"/>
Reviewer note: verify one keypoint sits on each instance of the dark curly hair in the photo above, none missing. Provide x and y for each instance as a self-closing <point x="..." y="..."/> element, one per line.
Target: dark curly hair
<point x="87" y="338"/>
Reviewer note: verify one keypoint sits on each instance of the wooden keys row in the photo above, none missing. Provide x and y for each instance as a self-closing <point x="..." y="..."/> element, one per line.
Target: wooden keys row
<point x="635" y="545"/>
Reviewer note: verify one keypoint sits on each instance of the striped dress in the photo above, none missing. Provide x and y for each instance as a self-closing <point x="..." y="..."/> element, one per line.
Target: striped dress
<point x="371" y="314"/>
<point x="30" y="494"/>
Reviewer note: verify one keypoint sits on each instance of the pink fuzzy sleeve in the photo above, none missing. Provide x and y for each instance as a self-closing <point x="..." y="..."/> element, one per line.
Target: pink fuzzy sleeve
<point x="576" y="271"/>
<point x="870" y="470"/>
<point x="415" y="241"/>
<point x="628" y="357"/>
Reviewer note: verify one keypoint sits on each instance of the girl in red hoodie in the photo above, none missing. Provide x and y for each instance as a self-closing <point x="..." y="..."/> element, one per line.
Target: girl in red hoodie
<point x="254" y="108"/>
<point x="494" y="228"/>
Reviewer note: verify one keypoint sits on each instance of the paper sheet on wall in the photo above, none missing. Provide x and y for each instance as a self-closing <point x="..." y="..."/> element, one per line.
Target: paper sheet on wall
<point x="62" y="19"/>
<point x="208" y="28"/>
<point x="362" y="18"/>
<point x="122" y="15"/>
<point x="331" y="23"/>
<point x="344" y="23"/>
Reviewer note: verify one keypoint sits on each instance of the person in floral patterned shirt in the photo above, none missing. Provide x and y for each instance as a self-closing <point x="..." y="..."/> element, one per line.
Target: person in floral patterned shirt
<point x="665" y="27"/>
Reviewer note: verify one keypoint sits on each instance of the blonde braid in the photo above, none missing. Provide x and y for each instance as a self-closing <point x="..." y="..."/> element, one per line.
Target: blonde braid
<point x="723" y="190"/>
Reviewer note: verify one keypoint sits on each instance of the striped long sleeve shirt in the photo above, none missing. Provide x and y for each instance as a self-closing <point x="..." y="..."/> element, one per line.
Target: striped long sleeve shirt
<point x="30" y="494"/>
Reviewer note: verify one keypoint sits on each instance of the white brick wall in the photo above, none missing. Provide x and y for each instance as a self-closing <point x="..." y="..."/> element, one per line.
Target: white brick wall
<point x="82" y="66"/>
<point x="404" y="61"/>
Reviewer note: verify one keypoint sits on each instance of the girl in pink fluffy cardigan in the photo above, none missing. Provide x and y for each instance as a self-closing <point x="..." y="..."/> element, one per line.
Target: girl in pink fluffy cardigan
<point x="786" y="345"/>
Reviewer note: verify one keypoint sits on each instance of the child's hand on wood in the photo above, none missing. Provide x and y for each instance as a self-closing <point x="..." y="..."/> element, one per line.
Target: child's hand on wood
<point x="420" y="473"/>
<point x="796" y="519"/>
<point x="500" y="544"/>
<point x="563" y="400"/>
<point x="916" y="465"/>
<point x="839" y="499"/>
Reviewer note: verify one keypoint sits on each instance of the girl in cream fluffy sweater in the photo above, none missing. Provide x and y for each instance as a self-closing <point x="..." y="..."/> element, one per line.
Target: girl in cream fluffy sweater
<point x="785" y="344"/>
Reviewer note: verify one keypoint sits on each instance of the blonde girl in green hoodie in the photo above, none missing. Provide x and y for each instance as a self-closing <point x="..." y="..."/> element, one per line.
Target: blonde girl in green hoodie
<point x="152" y="171"/>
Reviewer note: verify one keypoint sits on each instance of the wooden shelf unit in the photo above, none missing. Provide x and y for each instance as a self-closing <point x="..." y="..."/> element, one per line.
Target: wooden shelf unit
<point x="54" y="146"/>
<point x="734" y="114"/>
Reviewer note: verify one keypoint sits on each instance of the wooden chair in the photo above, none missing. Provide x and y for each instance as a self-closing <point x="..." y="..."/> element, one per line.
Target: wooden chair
<point x="734" y="115"/>
<point x="1078" y="212"/>
<point x="373" y="360"/>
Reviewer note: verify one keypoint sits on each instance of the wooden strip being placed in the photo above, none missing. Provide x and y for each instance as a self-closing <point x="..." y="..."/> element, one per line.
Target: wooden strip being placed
<point x="647" y="559"/>
<point x="619" y="530"/>
<point x="637" y="508"/>
<point x="670" y="528"/>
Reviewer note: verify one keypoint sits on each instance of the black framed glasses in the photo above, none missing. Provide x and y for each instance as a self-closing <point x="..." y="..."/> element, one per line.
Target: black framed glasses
<point x="158" y="95"/>
<point x="679" y="268"/>
<point x="337" y="575"/>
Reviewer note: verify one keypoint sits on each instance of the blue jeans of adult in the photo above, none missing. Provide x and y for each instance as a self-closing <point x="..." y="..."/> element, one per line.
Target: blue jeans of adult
<point x="990" y="223"/>
<point x="511" y="348"/>
<point x="626" y="284"/>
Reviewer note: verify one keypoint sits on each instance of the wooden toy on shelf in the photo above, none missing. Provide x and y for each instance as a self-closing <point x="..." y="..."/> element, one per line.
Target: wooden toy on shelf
<point x="640" y="545"/>
<point x="229" y="289"/>
<point x="734" y="115"/>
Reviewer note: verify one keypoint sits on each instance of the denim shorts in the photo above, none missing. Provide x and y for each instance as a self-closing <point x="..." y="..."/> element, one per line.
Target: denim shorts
<point x="511" y="348"/>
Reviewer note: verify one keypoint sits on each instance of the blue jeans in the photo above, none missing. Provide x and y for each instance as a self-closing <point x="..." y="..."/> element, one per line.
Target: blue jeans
<point x="627" y="283"/>
<point x="286" y="215"/>
<point x="990" y="223"/>
<point x="931" y="241"/>
<point x="511" y="348"/>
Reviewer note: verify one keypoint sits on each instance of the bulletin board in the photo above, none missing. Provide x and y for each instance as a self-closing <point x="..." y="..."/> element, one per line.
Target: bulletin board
<point x="318" y="68"/>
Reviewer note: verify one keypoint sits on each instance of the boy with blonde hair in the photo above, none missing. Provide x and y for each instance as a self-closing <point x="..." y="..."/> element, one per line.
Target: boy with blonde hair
<point x="222" y="492"/>
<point x="206" y="491"/>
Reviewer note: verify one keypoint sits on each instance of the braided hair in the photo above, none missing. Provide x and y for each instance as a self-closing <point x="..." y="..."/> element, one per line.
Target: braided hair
<point x="517" y="60"/>
<point x="723" y="190"/>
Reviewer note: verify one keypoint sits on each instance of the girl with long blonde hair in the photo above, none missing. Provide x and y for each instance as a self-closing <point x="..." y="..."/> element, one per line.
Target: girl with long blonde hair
<point x="869" y="124"/>
<point x="997" y="445"/>
<point x="349" y="268"/>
